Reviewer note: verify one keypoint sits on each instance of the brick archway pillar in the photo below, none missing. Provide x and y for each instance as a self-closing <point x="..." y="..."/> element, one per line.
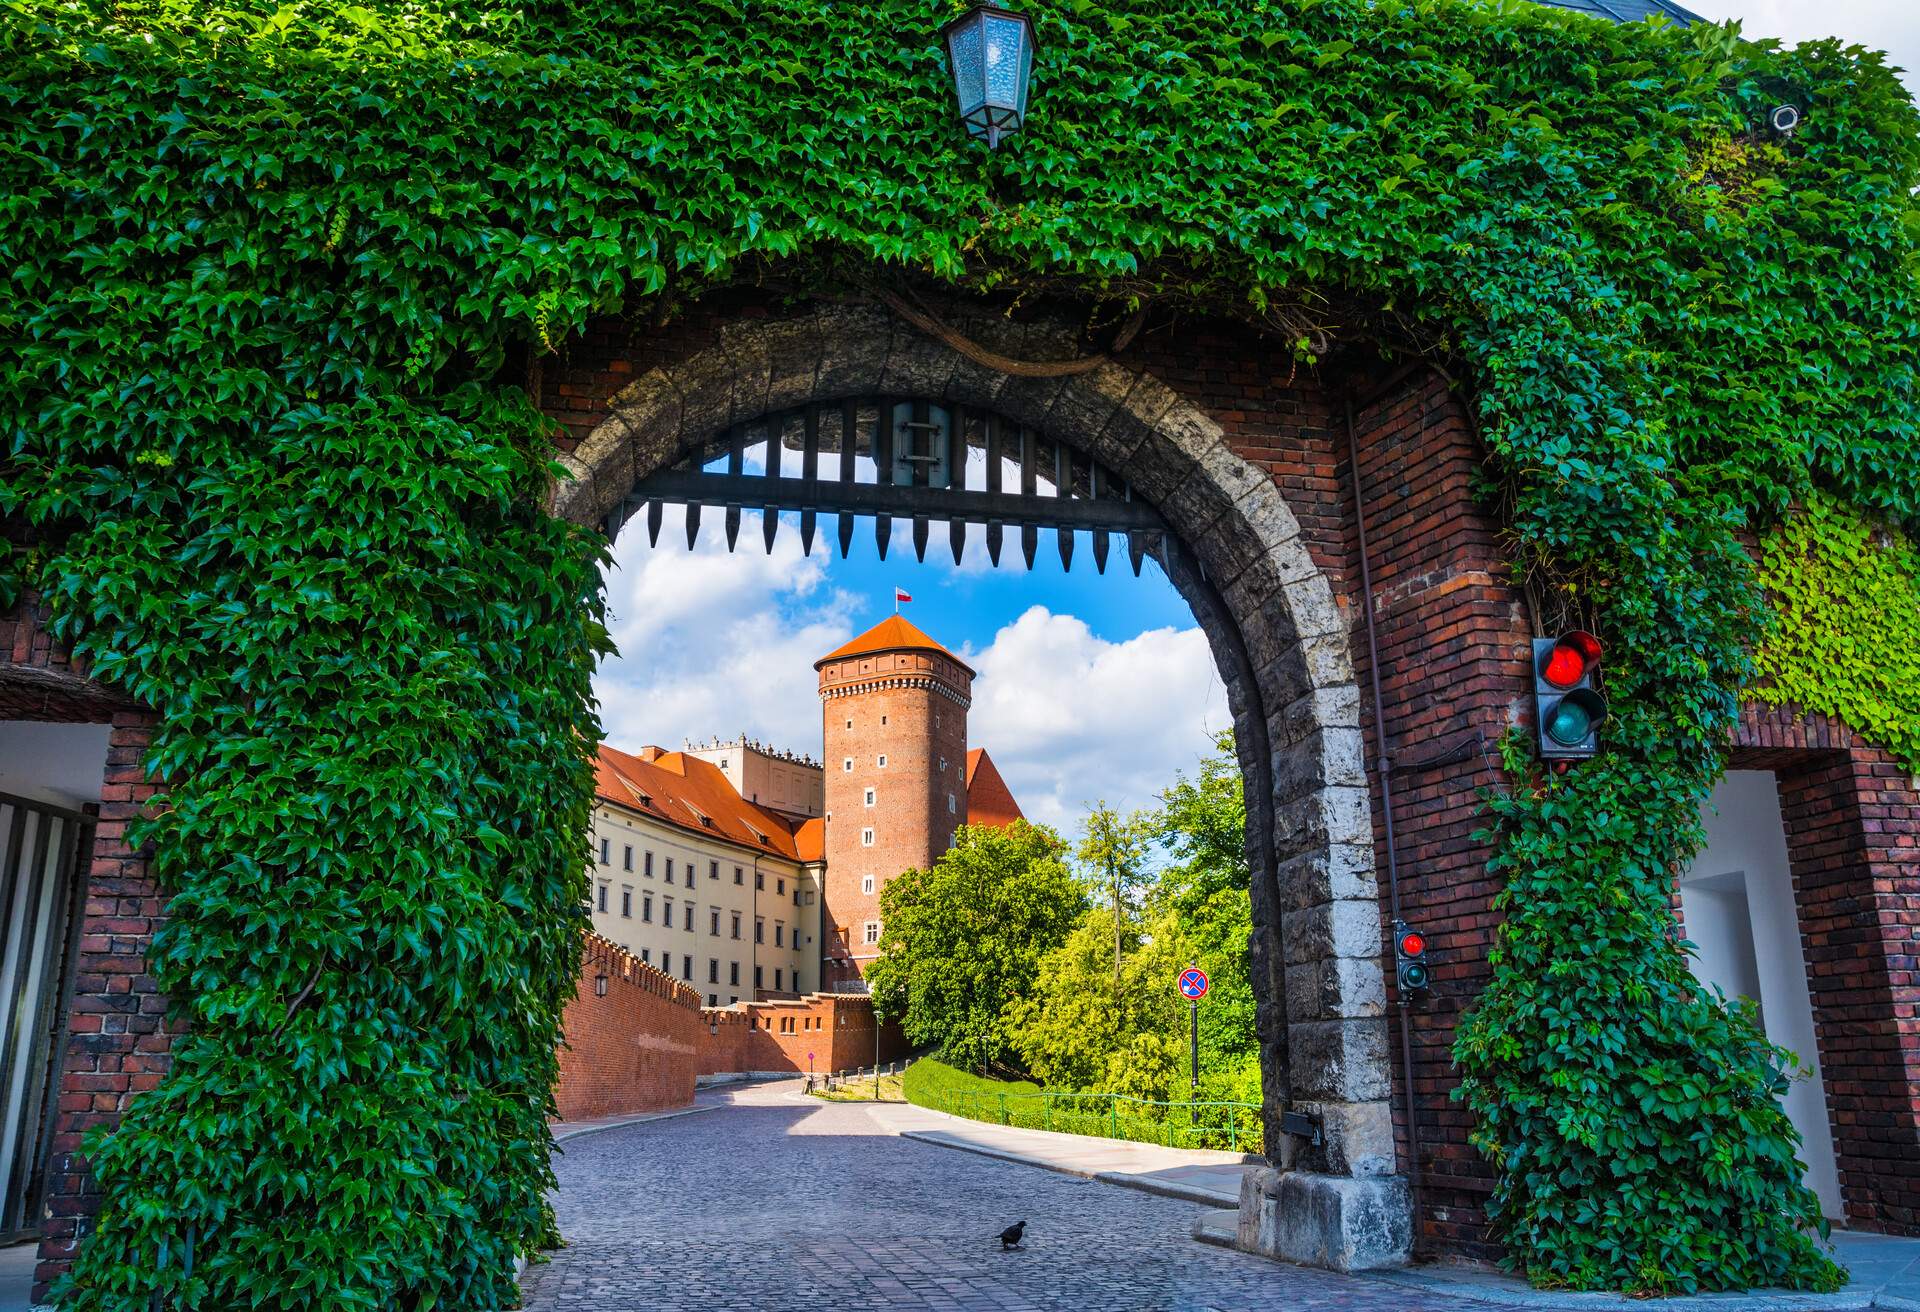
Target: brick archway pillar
<point x="1269" y="614"/>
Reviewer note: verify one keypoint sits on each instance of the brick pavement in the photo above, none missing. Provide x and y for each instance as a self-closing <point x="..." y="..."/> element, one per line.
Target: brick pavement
<point x="773" y="1204"/>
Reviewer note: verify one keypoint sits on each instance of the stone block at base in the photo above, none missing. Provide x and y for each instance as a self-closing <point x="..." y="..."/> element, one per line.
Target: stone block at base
<point x="1331" y="1221"/>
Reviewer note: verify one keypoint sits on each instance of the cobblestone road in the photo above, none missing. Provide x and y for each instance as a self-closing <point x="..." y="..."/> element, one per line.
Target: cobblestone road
<point x="775" y="1206"/>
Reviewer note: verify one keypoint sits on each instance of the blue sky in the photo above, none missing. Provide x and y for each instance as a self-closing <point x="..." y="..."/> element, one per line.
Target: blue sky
<point x="1090" y="686"/>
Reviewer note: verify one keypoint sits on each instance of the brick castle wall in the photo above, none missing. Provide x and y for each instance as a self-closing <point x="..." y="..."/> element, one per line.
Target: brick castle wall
<point x="822" y="1032"/>
<point x="910" y="706"/>
<point x="633" y="1049"/>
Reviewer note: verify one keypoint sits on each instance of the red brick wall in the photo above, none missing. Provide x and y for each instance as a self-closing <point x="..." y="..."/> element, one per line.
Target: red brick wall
<point x="633" y="1049"/>
<point x="836" y="1028"/>
<point x="917" y="729"/>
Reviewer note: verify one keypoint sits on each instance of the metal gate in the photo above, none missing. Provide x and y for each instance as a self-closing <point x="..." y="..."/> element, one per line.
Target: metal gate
<point x="39" y="900"/>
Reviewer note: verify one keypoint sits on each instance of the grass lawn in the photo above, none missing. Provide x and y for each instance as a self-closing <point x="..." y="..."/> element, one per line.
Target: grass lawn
<point x="892" y="1089"/>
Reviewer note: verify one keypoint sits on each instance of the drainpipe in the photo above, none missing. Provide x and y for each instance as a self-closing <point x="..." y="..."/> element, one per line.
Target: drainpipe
<point x="1383" y="770"/>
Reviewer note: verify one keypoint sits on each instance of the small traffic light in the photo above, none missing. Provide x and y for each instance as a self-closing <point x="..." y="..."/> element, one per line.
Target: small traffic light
<point x="1410" y="958"/>
<point x="1568" y="707"/>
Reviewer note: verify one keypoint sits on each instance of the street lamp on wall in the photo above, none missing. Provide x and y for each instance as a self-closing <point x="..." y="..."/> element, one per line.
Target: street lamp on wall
<point x="990" y="51"/>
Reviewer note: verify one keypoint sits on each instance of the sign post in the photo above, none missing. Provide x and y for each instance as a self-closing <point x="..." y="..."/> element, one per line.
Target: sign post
<point x="1193" y="987"/>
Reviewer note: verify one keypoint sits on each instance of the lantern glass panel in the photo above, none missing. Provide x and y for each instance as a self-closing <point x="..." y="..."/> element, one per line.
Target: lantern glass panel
<point x="1006" y="58"/>
<point x="969" y="77"/>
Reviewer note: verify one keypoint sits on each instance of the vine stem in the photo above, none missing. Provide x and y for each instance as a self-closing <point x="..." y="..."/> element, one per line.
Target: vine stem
<point x="313" y="977"/>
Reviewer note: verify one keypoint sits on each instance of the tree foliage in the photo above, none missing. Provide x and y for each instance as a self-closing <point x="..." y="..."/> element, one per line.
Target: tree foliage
<point x="964" y="938"/>
<point x="268" y="263"/>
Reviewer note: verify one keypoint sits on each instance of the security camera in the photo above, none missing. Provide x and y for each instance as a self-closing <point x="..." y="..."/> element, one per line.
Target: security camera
<point x="1784" y="119"/>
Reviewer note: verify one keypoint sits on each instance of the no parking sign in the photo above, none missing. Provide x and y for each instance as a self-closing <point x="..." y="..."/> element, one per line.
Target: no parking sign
<point x="1193" y="983"/>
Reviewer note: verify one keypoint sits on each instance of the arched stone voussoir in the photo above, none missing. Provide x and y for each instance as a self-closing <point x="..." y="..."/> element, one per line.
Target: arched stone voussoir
<point x="1278" y="635"/>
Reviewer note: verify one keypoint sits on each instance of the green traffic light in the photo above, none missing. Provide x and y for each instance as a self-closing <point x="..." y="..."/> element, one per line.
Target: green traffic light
<point x="1413" y="974"/>
<point x="1570" y="724"/>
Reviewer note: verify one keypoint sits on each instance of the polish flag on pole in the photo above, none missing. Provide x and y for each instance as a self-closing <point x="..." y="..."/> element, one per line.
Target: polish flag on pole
<point x="900" y="595"/>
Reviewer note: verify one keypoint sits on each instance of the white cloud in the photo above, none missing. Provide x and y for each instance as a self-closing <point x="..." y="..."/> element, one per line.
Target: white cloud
<point x="714" y="642"/>
<point x="1071" y="718"/>
<point x="719" y="643"/>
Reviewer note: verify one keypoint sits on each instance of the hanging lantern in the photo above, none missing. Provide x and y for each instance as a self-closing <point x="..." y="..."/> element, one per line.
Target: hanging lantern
<point x="990" y="50"/>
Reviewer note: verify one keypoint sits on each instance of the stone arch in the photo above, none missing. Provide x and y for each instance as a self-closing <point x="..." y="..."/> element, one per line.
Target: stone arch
<point x="1334" y="1198"/>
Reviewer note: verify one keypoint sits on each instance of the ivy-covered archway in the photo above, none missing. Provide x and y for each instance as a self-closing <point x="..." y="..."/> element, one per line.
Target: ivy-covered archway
<point x="268" y="457"/>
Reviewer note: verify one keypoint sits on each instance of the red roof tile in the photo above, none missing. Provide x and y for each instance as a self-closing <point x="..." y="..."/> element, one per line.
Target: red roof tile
<point x="692" y="794"/>
<point x="891" y="634"/>
<point x="989" y="800"/>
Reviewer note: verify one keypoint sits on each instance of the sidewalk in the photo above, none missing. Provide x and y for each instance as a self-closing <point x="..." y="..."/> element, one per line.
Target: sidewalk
<point x="1194" y="1174"/>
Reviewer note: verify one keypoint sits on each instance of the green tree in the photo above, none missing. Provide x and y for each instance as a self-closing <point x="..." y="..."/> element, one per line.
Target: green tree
<point x="1113" y="850"/>
<point x="1202" y="824"/>
<point x="965" y="938"/>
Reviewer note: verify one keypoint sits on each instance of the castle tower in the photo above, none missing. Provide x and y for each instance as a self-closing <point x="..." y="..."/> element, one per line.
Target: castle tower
<point x="894" y="709"/>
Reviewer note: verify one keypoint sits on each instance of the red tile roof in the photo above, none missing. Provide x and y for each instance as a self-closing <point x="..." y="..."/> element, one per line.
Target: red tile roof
<point x="989" y="801"/>
<point x="810" y="839"/>
<point x="692" y="794"/>
<point x="891" y="634"/>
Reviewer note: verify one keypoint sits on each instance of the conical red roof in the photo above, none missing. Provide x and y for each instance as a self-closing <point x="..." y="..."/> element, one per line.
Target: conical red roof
<point x="891" y="634"/>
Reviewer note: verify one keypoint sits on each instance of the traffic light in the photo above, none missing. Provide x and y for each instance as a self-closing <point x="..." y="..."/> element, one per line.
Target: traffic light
<point x="1410" y="958"/>
<point x="1567" y="706"/>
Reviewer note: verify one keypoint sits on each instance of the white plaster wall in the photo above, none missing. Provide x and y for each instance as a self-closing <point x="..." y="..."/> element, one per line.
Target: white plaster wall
<point x="1737" y="898"/>
<point x="60" y="764"/>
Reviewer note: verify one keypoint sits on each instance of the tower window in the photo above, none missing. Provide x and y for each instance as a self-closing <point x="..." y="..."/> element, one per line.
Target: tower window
<point x="849" y="724"/>
<point x="869" y="797"/>
<point x="866" y="840"/>
<point x="881" y="760"/>
<point x="846" y="764"/>
<point x="873" y="931"/>
<point x="883" y="719"/>
<point x="866" y="883"/>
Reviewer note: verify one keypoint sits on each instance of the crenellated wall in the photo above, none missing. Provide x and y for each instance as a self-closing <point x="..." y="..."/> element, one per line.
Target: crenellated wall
<point x="633" y="1048"/>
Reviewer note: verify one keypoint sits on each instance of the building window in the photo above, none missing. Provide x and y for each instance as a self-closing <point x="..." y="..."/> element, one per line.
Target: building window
<point x="883" y="719"/>
<point x="646" y="955"/>
<point x="603" y="897"/>
<point x="759" y="931"/>
<point x="669" y="870"/>
<point x="866" y="838"/>
<point x="759" y="879"/>
<point x="881" y="760"/>
<point x="757" y="975"/>
<point x="846" y="764"/>
<point x="739" y="875"/>
<point x="733" y="973"/>
<point x="849" y="724"/>
<point x="943" y="765"/>
<point x="735" y="998"/>
<point x="869" y="797"/>
<point x="626" y="857"/>
<point x="779" y="887"/>
<point x="686" y="968"/>
<point x="666" y="913"/>
<point x="626" y="903"/>
<point x="952" y="809"/>
<point x="606" y="844"/>
<point x="713" y="870"/>
<point x="713" y="970"/>
<point x="713" y="923"/>
<point x="646" y="862"/>
<point x="866" y="883"/>
<point x="713" y="999"/>
<point x="779" y="934"/>
<point x="873" y="931"/>
<point x="646" y="908"/>
<point x="736" y="925"/>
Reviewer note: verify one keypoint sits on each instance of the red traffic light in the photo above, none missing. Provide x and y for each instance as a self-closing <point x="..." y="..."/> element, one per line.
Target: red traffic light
<point x="1412" y="943"/>
<point x="1572" y="655"/>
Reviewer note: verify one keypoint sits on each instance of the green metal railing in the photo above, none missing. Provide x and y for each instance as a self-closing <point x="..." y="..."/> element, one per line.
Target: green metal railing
<point x="1234" y="1126"/>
